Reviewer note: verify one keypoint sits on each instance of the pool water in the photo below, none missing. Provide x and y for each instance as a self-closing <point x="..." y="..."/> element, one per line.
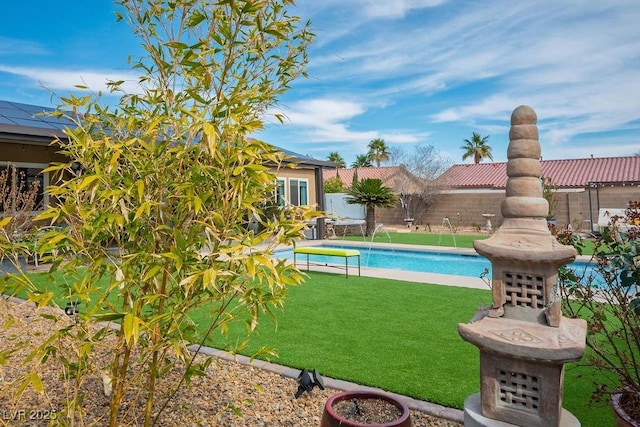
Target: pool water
<point x="406" y="260"/>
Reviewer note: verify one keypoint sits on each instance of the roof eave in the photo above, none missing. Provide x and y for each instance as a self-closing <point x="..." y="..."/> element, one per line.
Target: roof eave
<point x="21" y="134"/>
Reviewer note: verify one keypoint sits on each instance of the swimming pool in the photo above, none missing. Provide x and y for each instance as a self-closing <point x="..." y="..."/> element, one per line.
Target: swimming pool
<point x="410" y="260"/>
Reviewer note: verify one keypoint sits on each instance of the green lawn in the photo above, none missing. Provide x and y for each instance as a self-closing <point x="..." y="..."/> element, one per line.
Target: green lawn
<point x="400" y="336"/>
<point x="436" y="239"/>
<point x="396" y="335"/>
<point x="417" y="238"/>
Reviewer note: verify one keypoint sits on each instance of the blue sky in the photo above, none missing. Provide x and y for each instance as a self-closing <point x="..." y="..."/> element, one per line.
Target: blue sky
<point x="408" y="71"/>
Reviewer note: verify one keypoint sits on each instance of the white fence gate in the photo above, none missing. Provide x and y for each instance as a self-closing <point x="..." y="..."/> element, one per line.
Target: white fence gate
<point x="336" y="206"/>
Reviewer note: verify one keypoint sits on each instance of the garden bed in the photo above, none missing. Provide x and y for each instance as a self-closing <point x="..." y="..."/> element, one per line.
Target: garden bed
<point x="231" y="394"/>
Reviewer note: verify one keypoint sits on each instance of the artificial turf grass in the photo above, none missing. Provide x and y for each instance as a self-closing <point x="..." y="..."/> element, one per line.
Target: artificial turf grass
<point x="418" y="238"/>
<point x="395" y="335"/>
<point x="375" y="332"/>
<point x="435" y="239"/>
<point x="398" y="336"/>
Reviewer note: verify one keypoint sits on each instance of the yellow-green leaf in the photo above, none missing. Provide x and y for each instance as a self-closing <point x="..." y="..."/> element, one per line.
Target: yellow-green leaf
<point x="35" y="381"/>
<point x="10" y="321"/>
<point x="108" y="317"/>
<point x="153" y="271"/>
<point x="87" y="181"/>
<point x="4" y="221"/>
<point x="197" y="204"/>
<point x="251" y="267"/>
<point x="140" y="186"/>
<point x="266" y="261"/>
<point x="187" y="281"/>
<point x="141" y="210"/>
<point x="211" y="137"/>
<point x="209" y="276"/>
<point x="131" y="328"/>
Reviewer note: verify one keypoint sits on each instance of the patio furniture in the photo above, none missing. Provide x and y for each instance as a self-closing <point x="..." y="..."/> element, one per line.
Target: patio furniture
<point x="314" y="250"/>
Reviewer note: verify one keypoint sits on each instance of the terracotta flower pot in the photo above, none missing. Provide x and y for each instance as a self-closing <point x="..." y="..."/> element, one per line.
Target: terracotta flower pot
<point x="622" y="419"/>
<point x="330" y="418"/>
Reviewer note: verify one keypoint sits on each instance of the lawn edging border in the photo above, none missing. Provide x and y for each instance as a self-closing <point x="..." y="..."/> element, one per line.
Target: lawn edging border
<point x="434" y="409"/>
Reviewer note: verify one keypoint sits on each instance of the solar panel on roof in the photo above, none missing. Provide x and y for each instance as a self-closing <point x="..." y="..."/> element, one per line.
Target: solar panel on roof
<point x="58" y="123"/>
<point x="15" y="113"/>
<point x="33" y="123"/>
<point x="33" y="109"/>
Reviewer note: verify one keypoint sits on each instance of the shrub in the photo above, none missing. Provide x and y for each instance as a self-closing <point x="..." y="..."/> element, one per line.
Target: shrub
<point x="609" y="299"/>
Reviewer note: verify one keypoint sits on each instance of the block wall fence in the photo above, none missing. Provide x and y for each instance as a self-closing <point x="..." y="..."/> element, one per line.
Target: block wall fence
<point x="466" y="209"/>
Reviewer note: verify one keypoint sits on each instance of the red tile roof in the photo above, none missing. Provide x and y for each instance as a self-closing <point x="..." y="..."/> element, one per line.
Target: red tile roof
<point x="569" y="173"/>
<point x="383" y="173"/>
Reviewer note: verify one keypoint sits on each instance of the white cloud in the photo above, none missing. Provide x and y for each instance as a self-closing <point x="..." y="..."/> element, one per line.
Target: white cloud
<point x="322" y="112"/>
<point x="9" y="46"/>
<point x="468" y="68"/>
<point x="327" y="122"/>
<point x="394" y="9"/>
<point x="68" y="79"/>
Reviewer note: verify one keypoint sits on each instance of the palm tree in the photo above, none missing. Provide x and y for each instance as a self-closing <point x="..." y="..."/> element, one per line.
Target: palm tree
<point x="337" y="158"/>
<point x="378" y="151"/>
<point x="477" y="148"/>
<point x="372" y="194"/>
<point x="362" y="161"/>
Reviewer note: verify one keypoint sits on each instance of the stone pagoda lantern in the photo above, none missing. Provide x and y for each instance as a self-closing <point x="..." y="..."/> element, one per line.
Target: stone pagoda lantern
<point x="524" y="340"/>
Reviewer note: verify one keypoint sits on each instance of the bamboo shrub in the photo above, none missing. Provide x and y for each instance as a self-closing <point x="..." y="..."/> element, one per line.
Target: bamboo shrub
<point x="161" y="189"/>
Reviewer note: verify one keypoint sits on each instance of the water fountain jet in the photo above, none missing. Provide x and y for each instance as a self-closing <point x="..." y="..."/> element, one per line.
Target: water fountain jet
<point x="446" y="222"/>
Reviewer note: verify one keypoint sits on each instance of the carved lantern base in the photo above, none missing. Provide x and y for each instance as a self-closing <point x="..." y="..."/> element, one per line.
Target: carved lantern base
<point x="473" y="416"/>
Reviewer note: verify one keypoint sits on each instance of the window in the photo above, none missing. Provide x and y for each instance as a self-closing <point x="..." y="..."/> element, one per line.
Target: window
<point x="22" y="181"/>
<point x="281" y="199"/>
<point x="298" y="192"/>
<point x="292" y="191"/>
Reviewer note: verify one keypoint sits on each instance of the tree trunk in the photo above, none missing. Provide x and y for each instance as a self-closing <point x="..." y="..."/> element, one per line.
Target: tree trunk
<point x="370" y="220"/>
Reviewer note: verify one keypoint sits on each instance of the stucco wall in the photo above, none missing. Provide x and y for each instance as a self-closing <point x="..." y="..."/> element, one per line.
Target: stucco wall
<point x="299" y="173"/>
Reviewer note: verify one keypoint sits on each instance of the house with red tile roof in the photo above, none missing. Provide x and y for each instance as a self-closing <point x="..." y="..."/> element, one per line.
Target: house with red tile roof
<point x="583" y="187"/>
<point x="399" y="179"/>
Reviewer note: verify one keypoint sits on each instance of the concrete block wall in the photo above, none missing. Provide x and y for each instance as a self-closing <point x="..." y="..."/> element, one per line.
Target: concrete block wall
<point x="466" y="209"/>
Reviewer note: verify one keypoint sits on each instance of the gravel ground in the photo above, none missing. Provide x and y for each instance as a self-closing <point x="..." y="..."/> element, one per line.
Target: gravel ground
<point x="231" y="393"/>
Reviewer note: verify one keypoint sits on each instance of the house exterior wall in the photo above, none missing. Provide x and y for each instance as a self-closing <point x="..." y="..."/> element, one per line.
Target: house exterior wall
<point x="463" y="209"/>
<point x="29" y="153"/>
<point x="300" y="173"/>
<point x="574" y="207"/>
<point x="44" y="155"/>
<point x="35" y="157"/>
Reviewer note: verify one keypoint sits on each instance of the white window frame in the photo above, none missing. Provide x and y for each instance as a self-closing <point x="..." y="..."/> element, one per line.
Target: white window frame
<point x="281" y="199"/>
<point x="306" y="186"/>
<point x="286" y="183"/>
